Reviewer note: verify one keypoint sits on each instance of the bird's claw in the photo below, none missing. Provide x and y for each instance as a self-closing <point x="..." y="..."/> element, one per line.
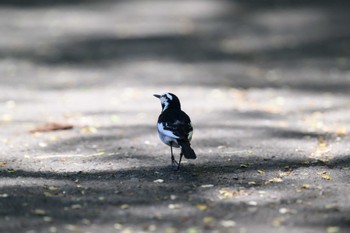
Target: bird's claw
<point x="175" y="164"/>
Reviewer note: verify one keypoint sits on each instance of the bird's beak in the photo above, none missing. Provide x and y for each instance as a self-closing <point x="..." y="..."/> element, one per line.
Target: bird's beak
<point x="155" y="95"/>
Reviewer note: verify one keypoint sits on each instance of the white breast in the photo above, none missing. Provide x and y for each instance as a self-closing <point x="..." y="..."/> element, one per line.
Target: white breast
<point x="167" y="136"/>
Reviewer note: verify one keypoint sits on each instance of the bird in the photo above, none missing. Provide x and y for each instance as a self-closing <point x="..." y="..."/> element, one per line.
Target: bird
<point x="175" y="128"/>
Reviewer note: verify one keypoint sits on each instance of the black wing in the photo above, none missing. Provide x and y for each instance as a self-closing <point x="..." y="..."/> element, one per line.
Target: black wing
<point x="178" y="122"/>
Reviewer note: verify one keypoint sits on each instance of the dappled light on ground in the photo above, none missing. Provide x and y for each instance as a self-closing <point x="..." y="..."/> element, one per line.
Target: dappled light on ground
<point x="265" y="83"/>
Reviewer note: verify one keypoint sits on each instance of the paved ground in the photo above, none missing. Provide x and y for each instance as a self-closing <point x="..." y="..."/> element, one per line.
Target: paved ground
<point x="266" y="84"/>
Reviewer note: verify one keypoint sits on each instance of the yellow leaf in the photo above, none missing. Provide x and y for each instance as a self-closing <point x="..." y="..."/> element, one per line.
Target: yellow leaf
<point x="202" y="207"/>
<point x="326" y="177"/>
<point x="275" y="180"/>
<point x="278" y="222"/>
<point x="47" y="194"/>
<point x="124" y="206"/>
<point x="281" y="174"/>
<point x="171" y="230"/>
<point x="261" y="171"/>
<point x="208" y="220"/>
<point x="53" y="188"/>
<point x="305" y="186"/>
<point x="227" y="193"/>
<point x="192" y="230"/>
<point x="341" y="131"/>
<point x="333" y="229"/>
<point x="118" y="226"/>
<point x="39" y="212"/>
<point x="88" y="129"/>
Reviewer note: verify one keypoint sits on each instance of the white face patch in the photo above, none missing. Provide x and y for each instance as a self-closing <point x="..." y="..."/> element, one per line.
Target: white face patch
<point x="169" y="96"/>
<point x="164" y="101"/>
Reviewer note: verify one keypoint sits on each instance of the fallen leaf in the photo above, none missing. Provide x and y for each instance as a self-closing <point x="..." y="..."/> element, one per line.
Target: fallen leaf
<point x="174" y="206"/>
<point x="71" y="227"/>
<point x="261" y="171"/>
<point x="279" y="221"/>
<point x="207" y="186"/>
<point x="171" y="230"/>
<point x="53" y="188"/>
<point x="341" y="131"/>
<point x="305" y="186"/>
<point x="2" y="164"/>
<point x="48" y="194"/>
<point x="227" y="193"/>
<point x="334" y="207"/>
<point x="124" y="206"/>
<point x="228" y="223"/>
<point x="47" y="219"/>
<point x="326" y="177"/>
<point x="333" y="229"/>
<point x="284" y="210"/>
<point x="202" y="207"/>
<point x="192" y="230"/>
<point x="208" y="220"/>
<point x="42" y="144"/>
<point x="76" y="206"/>
<point x="150" y="228"/>
<point x="158" y="181"/>
<point x="7" y="117"/>
<point x="88" y="129"/>
<point x="53" y="229"/>
<point x="39" y="212"/>
<point x="281" y="174"/>
<point x="118" y="226"/>
<point x="322" y="148"/>
<point x="252" y="203"/>
<point x="274" y="180"/>
<point x="86" y="221"/>
<point x="51" y="126"/>
<point x="243" y="165"/>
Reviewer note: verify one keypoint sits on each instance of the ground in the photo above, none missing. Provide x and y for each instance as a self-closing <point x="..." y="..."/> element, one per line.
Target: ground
<point x="265" y="83"/>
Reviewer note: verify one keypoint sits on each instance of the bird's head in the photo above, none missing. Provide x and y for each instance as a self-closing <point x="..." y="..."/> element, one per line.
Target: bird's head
<point x="168" y="100"/>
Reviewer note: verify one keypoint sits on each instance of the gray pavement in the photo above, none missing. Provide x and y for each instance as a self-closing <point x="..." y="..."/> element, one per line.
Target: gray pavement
<point x="266" y="84"/>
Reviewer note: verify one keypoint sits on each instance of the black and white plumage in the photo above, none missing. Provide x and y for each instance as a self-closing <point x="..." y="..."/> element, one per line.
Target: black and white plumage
<point x="174" y="127"/>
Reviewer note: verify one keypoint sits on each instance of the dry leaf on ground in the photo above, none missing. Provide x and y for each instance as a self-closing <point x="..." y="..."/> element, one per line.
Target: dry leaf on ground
<point x="51" y="126"/>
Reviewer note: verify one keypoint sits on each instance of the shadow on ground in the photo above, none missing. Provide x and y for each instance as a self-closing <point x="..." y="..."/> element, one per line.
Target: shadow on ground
<point x="132" y="197"/>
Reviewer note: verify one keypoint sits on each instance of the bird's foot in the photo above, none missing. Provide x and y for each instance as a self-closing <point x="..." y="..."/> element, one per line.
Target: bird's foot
<point x="174" y="164"/>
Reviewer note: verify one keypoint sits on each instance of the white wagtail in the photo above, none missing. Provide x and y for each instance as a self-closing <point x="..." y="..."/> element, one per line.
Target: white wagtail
<point x="174" y="127"/>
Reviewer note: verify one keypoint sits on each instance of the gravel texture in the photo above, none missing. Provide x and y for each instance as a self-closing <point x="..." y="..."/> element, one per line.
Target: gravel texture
<point x="266" y="84"/>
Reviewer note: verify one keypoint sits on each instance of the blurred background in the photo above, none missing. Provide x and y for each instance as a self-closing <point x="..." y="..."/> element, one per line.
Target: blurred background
<point x="263" y="80"/>
<point x="232" y="63"/>
<point x="294" y="44"/>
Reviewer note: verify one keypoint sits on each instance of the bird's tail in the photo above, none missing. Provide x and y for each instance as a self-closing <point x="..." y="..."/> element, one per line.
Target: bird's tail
<point x="187" y="151"/>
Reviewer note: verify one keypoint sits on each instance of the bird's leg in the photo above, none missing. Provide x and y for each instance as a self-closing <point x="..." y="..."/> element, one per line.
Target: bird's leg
<point x="178" y="165"/>
<point x="173" y="161"/>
